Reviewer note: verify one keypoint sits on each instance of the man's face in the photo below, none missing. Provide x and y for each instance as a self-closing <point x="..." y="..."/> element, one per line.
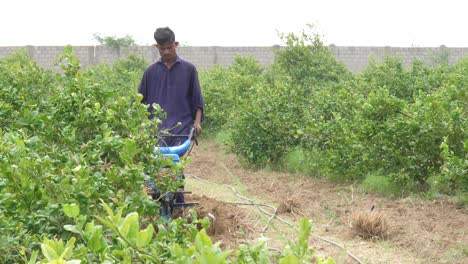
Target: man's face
<point x="167" y="50"/>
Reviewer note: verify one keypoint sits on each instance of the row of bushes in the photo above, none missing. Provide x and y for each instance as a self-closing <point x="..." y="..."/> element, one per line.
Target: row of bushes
<point x="308" y="113"/>
<point x="71" y="138"/>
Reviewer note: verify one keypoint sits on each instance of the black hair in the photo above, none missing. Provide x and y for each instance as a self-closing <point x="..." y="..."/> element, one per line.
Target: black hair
<point x="164" y="35"/>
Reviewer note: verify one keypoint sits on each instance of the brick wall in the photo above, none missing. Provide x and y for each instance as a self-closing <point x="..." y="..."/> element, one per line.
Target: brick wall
<point x="355" y="58"/>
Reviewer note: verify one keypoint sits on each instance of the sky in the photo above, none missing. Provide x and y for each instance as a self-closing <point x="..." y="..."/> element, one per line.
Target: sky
<point x="395" y="23"/>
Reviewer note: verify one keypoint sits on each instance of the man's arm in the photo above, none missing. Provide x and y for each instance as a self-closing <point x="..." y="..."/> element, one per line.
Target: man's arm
<point x="197" y="102"/>
<point x="197" y="122"/>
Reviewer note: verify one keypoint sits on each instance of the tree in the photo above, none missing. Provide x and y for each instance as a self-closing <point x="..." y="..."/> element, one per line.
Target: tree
<point x="113" y="41"/>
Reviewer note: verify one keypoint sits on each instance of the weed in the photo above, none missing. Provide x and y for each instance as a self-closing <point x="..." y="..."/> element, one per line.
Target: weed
<point x="381" y="185"/>
<point x="370" y="224"/>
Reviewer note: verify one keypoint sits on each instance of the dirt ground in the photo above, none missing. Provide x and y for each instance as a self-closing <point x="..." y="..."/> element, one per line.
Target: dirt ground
<point x="420" y="231"/>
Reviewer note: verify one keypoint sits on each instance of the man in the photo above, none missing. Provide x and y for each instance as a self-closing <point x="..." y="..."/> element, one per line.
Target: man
<point x="172" y="82"/>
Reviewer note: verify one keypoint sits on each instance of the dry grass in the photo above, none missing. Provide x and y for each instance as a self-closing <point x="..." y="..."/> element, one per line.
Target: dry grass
<point x="289" y="206"/>
<point x="370" y="224"/>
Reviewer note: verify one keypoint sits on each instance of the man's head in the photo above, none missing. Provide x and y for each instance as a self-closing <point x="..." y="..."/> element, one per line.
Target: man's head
<point x="164" y="36"/>
<point x="166" y="44"/>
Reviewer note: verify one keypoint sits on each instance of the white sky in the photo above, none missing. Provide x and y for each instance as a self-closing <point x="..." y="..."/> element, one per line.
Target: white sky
<point x="397" y="23"/>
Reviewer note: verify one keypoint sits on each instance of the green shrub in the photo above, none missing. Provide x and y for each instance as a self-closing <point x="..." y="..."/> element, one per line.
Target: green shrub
<point x="226" y="91"/>
<point x="65" y="139"/>
<point x="389" y="120"/>
<point x="279" y="108"/>
<point x="380" y="184"/>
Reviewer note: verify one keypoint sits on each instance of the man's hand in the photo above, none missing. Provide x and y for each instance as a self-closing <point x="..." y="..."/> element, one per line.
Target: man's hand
<point x="198" y="128"/>
<point x="197" y="121"/>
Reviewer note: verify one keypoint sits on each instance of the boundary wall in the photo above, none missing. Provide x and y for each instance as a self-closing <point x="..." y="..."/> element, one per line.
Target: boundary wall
<point x="355" y="58"/>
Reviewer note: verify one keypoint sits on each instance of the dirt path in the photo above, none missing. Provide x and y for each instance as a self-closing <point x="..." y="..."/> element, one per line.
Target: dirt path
<point x="420" y="231"/>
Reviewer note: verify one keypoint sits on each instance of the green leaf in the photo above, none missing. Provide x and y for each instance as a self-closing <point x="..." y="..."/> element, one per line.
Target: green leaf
<point x="20" y="144"/>
<point x="33" y="258"/>
<point x="224" y="255"/>
<point x="128" y="150"/>
<point x="95" y="243"/>
<point x="109" y="211"/>
<point x="74" y="261"/>
<point x="94" y="237"/>
<point x="48" y="252"/>
<point x="304" y="230"/>
<point x="73" y="229"/>
<point x="107" y="223"/>
<point x="56" y="245"/>
<point x="118" y="217"/>
<point x="71" y="210"/>
<point x="206" y="256"/>
<point x="322" y="260"/>
<point x="144" y="237"/>
<point x="202" y="240"/>
<point x="68" y="252"/>
<point x="291" y="259"/>
<point x="77" y="168"/>
<point x="129" y="227"/>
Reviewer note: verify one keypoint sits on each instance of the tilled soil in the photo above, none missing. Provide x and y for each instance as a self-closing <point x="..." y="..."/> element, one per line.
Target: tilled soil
<point x="420" y="231"/>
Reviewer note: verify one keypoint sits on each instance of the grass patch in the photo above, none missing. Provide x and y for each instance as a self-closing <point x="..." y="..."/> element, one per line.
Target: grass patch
<point x="298" y="161"/>
<point x="380" y="184"/>
<point x="295" y="161"/>
<point x="455" y="254"/>
<point x="222" y="137"/>
<point x="462" y="201"/>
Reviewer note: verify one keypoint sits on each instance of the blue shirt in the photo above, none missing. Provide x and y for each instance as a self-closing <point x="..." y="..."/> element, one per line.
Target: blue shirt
<point x="177" y="90"/>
